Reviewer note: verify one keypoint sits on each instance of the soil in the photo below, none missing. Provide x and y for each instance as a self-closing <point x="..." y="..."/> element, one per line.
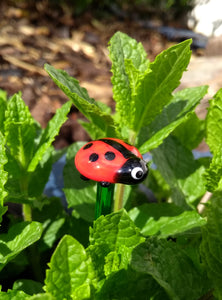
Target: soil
<point x="32" y="34"/>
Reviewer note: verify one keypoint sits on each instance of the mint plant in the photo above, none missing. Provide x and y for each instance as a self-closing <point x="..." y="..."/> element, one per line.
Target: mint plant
<point x="169" y="249"/>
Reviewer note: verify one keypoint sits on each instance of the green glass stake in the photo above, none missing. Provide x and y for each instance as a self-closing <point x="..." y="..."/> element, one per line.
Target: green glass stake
<point x="104" y="200"/>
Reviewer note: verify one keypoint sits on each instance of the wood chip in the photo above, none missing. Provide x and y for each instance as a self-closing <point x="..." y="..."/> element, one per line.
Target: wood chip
<point x="24" y="65"/>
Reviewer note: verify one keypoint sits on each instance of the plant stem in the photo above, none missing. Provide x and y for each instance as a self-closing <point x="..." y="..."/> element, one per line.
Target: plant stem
<point x="27" y="212"/>
<point x="132" y="137"/>
<point x="118" y="203"/>
<point x="26" y="208"/>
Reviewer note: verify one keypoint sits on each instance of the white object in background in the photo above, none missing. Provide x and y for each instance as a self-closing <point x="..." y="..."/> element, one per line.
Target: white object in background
<point x="206" y="17"/>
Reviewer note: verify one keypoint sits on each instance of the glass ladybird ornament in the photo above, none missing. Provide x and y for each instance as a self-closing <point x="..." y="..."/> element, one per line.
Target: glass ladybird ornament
<point x="109" y="161"/>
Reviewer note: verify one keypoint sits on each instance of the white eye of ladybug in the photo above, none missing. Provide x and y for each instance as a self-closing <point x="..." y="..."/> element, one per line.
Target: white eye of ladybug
<point x="137" y="173"/>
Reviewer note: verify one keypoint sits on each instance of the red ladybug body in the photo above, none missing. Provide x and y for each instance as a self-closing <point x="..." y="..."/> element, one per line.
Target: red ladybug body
<point x="111" y="160"/>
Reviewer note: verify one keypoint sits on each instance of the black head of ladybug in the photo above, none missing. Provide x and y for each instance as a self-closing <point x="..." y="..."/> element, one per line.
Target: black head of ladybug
<point x="133" y="171"/>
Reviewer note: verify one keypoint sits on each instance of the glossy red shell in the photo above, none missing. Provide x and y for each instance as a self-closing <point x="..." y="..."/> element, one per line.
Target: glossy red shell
<point x="102" y="169"/>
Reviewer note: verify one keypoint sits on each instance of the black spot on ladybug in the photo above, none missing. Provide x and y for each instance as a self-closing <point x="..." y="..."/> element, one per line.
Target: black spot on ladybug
<point x="109" y="155"/>
<point x="93" y="157"/>
<point x="87" y="146"/>
<point x="119" y="147"/>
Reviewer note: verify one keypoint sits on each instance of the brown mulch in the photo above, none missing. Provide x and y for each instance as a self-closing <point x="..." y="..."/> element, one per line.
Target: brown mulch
<point x="34" y="34"/>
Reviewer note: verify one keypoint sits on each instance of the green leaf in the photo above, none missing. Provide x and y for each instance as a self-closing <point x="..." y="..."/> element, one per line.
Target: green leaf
<point x="4" y="175"/>
<point x="174" y="114"/>
<point x="28" y="286"/>
<point x="212" y="244"/>
<point x="93" y="131"/>
<point x="19" y="131"/>
<point x="14" y="295"/>
<point x="69" y="271"/>
<point x="125" y="50"/>
<point x="39" y="178"/>
<point x="19" y="237"/>
<point x="50" y="213"/>
<point x="128" y="284"/>
<point x="213" y="123"/>
<point x="164" y="219"/>
<point x="20" y="295"/>
<point x="3" y="95"/>
<point x="80" y="98"/>
<point x="3" y="105"/>
<point x="112" y="240"/>
<point x="213" y="175"/>
<point x="42" y="297"/>
<point x="16" y="180"/>
<point x="80" y="194"/>
<point x="49" y="134"/>
<point x="178" y="167"/>
<point x="21" y="185"/>
<point x="170" y="267"/>
<point x="191" y="132"/>
<point x="155" y="89"/>
<point x="23" y="188"/>
<point x="104" y="107"/>
<point x="157" y="184"/>
<point x="82" y="234"/>
<point x="51" y="234"/>
<point x="115" y="230"/>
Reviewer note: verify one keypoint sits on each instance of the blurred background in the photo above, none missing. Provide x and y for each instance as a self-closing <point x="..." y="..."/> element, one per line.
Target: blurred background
<point x="73" y="35"/>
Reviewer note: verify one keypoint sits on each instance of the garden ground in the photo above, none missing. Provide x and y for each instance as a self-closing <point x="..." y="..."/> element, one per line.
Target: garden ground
<point x="33" y="34"/>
